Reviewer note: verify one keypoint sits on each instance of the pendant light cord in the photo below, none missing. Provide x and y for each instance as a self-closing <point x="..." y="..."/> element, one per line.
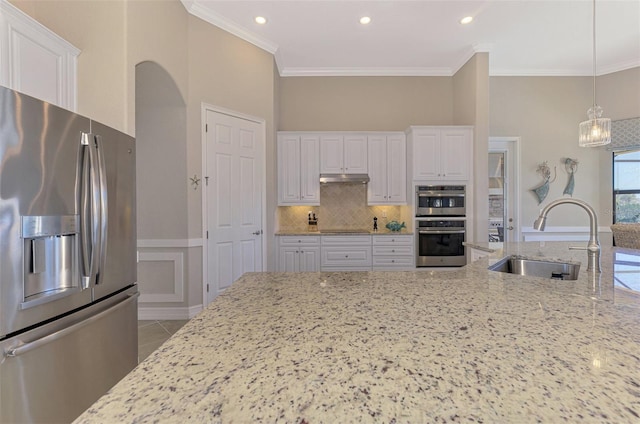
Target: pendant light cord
<point x="594" y="53"/>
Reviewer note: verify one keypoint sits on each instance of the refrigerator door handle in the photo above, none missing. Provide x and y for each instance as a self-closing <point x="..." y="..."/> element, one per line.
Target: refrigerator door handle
<point x="27" y="347"/>
<point x="104" y="215"/>
<point x="90" y="209"/>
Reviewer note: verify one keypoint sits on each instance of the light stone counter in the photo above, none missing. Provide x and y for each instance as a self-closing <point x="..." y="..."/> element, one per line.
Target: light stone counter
<point x="466" y="345"/>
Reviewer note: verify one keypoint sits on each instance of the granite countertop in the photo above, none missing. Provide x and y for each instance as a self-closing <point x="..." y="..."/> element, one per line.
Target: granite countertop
<point x="420" y="346"/>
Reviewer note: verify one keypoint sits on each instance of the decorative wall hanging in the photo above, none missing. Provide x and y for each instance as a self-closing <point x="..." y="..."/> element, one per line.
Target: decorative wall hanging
<point x="195" y="181"/>
<point x="571" y="166"/>
<point x="543" y="189"/>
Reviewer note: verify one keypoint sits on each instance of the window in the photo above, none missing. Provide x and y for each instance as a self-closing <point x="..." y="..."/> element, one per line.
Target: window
<point x="626" y="186"/>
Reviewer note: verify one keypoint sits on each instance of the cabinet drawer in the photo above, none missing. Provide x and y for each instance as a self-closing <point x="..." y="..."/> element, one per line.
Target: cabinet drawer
<point x="393" y="240"/>
<point x="391" y="261"/>
<point x="346" y="241"/>
<point x="299" y="240"/>
<point x="392" y="250"/>
<point x="346" y="257"/>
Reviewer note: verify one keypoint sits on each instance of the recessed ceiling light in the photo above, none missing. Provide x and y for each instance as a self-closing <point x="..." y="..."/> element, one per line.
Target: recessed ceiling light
<point x="365" y="20"/>
<point x="466" y="20"/>
<point x="261" y="20"/>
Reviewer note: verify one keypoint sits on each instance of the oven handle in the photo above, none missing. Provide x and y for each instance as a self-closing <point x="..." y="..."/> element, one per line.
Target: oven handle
<point x="439" y="194"/>
<point x="441" y="232"/>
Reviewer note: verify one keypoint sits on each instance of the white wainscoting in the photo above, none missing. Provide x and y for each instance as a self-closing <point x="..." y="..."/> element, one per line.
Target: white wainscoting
<point x="178" y="276"/>
<point x="560" y="233"/>
<point x="172" y="250"/>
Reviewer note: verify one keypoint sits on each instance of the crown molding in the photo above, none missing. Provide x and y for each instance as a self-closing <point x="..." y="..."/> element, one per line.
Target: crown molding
<point x="464" y="58"/>
<point x="365" y="72"/>
<point x="506" y="72"/>
<point x="197" y="9"/>
<point x="622" y="66"/>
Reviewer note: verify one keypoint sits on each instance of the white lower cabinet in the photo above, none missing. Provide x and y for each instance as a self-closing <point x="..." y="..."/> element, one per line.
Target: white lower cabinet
<point x="298" y="253"/>
<point x="311" y="253"/>
<point x="393" y="252"/>
<point x="475" y="254"/>
<point x="346" y="253"/>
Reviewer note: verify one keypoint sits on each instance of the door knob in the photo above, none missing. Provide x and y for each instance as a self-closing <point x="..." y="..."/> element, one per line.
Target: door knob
<point x="257" y="233"/>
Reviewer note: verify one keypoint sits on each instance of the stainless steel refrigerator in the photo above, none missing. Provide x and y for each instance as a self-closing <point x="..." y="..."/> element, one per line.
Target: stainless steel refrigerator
<point x="68" y="294"/>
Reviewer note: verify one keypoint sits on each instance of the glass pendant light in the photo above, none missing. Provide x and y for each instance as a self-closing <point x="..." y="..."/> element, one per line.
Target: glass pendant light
<point x="597" y="130"/>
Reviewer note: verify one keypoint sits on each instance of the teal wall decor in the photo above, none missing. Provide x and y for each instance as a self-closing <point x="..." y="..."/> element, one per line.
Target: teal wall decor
<point x="543" y="189"/>
<point x="571" y="166"/>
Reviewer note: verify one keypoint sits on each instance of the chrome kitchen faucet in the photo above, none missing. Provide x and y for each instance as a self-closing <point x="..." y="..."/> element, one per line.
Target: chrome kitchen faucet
<point x="593" y="246"/>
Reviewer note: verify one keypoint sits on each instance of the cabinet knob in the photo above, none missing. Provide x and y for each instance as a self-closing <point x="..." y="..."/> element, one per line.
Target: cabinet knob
<point x="346" y="256"/>
<point x="299" y="241"/>
<point x="393" y="250"/>
<point x="302" y="251"/>
<point x="393" y="260"/>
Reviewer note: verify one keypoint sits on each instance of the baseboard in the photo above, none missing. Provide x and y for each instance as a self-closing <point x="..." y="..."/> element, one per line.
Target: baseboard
<point x="168" y="313"/>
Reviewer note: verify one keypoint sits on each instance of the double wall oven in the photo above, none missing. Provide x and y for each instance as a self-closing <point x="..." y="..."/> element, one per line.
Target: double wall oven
<point x="440" y="225"/>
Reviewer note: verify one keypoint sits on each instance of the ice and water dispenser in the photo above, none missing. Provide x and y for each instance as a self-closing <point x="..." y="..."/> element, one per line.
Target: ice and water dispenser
<point x="50" y="257"/>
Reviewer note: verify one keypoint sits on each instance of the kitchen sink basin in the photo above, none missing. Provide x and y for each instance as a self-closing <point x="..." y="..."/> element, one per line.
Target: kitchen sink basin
<point x="537" y="268"/>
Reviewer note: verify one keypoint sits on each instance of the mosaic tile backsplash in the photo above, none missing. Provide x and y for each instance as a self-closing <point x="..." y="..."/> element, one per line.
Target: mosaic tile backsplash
<point x="342" y="206"/>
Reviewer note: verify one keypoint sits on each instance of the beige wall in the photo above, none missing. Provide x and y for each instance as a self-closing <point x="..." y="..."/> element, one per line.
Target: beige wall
<point x="471" y="107"/>
<point x="619" y="95"/>
<point x="207" y="65"/>
<point x="228" y="72"/>
<point x="545" y="113"/>
<point x="364" y="103"/>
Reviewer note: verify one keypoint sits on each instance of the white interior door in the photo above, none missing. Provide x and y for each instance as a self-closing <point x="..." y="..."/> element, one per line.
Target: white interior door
<point x="503" y="189"/>
<point x="234" y="169"/>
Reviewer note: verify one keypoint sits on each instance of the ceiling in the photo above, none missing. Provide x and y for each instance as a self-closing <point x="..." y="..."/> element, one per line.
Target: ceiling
<point x="413" y="37"/>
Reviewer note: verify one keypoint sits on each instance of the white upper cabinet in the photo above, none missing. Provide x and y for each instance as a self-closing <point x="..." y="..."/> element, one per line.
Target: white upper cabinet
<point x="298" y="169"/>
<point x="36" y="61"/>
<point x="343" y="154"/>
<point x="440" y="153"/>
<point x="387" y="157"/>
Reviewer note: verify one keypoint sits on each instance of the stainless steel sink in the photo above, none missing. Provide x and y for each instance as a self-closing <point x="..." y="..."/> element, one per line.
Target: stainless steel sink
<point x="537" y="268"/>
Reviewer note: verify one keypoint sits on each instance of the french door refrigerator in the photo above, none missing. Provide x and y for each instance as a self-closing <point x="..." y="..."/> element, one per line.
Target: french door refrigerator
<point x="68" y="293"/>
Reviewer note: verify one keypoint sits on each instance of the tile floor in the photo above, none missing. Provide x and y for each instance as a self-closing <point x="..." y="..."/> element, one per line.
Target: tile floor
<point x="151" y="334"/>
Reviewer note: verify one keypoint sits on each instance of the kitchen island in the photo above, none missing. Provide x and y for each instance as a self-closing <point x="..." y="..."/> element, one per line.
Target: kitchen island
<point x="419" y="346"/>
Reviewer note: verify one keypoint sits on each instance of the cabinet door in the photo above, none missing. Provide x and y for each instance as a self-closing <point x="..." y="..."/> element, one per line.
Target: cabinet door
<point x="309" y="259"/>
<point x="355" y="154"/>
<point x="396" y="170"/>
<point x="331" y="154"/>
<point x="288" y="169"/>
<point x="309" y="169"/>
<point x="36" y="61"/>
<point x="426" y="155"/>
<point x="454" y="153"/>
<point x="377" y="158"/>
<point x="288" y="259"/>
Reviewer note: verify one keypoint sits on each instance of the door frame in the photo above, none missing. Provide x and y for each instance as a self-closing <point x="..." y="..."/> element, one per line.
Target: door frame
<point x="205" y="107"/>
<point x="512" y="144"/>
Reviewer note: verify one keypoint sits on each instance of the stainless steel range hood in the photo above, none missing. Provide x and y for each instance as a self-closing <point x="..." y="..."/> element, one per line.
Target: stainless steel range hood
<point x="344" y="178"/>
